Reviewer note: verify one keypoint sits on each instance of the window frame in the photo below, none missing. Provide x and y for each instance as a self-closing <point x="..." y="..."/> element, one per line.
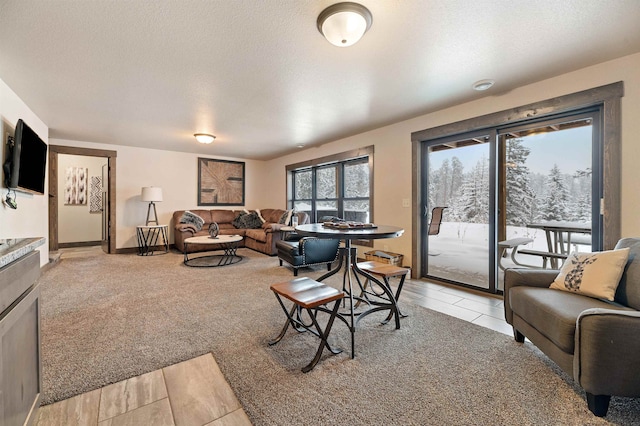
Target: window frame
<point x="360" y="155"/>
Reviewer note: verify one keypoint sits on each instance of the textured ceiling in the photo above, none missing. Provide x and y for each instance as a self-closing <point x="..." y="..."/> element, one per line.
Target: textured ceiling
<point x="259" y="75"/>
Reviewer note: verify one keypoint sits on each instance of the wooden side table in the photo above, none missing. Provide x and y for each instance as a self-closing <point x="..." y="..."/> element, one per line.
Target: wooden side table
<point x="149" y="236"/>
<point x="285" y="231"/>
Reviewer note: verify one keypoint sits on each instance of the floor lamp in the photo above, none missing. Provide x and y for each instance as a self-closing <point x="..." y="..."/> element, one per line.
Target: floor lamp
<point x="151" y="194"/>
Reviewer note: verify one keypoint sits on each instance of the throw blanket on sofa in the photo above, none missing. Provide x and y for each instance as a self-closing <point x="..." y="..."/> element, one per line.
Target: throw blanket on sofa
<point x="192" y="219"/>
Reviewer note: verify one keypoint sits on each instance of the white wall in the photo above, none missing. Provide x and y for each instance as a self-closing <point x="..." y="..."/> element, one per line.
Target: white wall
<point x="75" y="222"/>
<point x="31" y="217"/>
<point x="174" y="172"/>
<point x="392" y="161"/>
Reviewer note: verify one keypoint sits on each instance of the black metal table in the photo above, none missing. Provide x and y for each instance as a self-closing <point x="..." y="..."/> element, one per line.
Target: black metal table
<point x="150" y="236"/>
<point x="348" y="263"/>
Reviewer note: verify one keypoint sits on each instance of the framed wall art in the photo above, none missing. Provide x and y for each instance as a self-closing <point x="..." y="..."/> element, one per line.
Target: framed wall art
<point x="220" y="182"/>
<point x="95" y="194"/>
<point x="75" y="186"/>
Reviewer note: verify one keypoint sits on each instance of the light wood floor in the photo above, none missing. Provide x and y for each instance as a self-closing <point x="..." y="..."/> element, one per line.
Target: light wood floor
<point x="195" y="392"/>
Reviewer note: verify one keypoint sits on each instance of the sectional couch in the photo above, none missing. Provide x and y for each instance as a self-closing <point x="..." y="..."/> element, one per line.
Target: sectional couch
<point x="262" y="239"/>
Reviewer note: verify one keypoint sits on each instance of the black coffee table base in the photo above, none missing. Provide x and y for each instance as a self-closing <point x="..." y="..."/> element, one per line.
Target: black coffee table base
<point x="229" y="257"/>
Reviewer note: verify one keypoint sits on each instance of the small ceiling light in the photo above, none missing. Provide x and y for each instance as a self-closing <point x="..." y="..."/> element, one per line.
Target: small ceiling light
<point x="204" y="137"/>
<point x="343" y="24"/>
<point x="481" y="85"/>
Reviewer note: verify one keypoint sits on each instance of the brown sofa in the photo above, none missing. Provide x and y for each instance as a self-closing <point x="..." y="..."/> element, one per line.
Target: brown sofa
<point x="594" y="341"/>
<point x="263" y="239"/>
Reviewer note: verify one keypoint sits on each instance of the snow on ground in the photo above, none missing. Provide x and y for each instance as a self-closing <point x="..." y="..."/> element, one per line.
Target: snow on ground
<point x="460" y="252"/>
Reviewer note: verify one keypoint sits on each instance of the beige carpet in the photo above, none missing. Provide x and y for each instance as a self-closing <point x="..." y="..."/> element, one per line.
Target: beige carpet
<point x="107" y="318"/>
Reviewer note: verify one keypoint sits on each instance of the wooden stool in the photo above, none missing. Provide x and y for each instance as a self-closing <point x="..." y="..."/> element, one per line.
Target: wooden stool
<point x="310" y="295"/>
<point x="385" y="271"/>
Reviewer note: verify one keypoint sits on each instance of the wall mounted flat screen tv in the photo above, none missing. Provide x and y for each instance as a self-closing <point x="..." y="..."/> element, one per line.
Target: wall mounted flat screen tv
<point x="25" y="168"/>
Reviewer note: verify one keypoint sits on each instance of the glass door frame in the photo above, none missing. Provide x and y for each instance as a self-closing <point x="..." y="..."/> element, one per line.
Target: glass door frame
<point x="497" y="185"/>
<point x="597" y="157"/>
<point x="489" y="137"/>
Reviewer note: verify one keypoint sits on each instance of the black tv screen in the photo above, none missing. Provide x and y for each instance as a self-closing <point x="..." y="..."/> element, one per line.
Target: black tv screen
<point x="28" y="160"/>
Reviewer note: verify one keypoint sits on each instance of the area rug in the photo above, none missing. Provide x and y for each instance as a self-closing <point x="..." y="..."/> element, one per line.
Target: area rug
<point x="109" y="317"/>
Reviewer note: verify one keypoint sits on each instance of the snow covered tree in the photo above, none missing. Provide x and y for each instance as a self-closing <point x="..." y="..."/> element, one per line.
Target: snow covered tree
<point x="455" y="180"/>
<point x="555" y="206"/>
<point x="445" y="185"/>
<point x="442" y="192"/>
<point x="475" y="194"/>
<point x="580" y="192"/>
<point x="519" y="192"/>
<point x="581" y="208"/>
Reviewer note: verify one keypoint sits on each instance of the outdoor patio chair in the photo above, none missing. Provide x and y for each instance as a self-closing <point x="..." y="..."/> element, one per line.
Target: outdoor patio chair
<point x="434" y="225"/>
<point x="436" y="220"/>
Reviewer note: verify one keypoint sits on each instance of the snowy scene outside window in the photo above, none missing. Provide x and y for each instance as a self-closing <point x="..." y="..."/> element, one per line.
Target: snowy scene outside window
<point x="548" y="177"/>
<point x="340" y="189"/>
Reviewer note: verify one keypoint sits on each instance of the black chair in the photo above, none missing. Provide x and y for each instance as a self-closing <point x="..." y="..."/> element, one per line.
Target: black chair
<point x="307" y="251"/>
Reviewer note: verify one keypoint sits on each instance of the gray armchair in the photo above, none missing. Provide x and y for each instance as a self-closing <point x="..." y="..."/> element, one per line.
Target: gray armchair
<point x="594" y="341"/>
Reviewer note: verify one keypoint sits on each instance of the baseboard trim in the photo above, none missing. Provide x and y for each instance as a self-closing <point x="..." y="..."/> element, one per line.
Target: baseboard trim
<point x="129" y="250"/>
<point x="80" y="244"/>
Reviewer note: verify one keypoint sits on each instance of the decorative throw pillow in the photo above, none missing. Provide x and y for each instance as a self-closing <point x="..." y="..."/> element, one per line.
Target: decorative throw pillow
<point x="247" y="221"/>
<point x="592" y="274"/>
<point x="238" y="222"/>
<point x="252" y="221"/>
<point x="285" y="219"/>
<point x="192" y="219"/>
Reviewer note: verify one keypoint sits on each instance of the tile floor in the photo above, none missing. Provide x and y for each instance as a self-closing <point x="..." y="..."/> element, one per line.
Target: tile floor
<point x="195" y="392"/>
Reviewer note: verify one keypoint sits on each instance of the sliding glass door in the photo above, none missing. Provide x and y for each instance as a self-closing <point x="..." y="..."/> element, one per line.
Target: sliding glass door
<point x="537" y="185"/>
<point x="548" y="180"/>
<point x="460" y="179"/>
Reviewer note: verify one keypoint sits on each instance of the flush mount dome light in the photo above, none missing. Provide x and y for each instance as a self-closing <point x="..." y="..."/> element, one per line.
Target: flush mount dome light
<point x="343" y="24"/>
<point x="204" y="137"/>
<point x="482" y="85"/>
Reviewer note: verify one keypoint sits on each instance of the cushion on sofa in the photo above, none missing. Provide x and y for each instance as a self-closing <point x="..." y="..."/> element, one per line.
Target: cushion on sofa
<point x="592" y="274"/>
<point x="552" y="312"/>
<point x="223" y="216"/>
<point x="271" y="215"/>
<point x="193" y="219"/>
<point x="257" y="234"/>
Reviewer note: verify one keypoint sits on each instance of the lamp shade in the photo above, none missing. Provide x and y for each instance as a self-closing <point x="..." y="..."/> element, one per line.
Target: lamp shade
<point x="151" y="194"/>
<point x="343" y="24"/>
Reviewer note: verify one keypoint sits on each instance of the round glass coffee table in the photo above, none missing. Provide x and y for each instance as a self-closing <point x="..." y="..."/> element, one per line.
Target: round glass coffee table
<point x="227" y="243"/>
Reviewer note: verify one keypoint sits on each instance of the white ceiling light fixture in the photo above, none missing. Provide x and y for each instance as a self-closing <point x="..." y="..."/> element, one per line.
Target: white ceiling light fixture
<point x="482" y="85"/>
<point x="204" y="137"/>
<point x="343" y="24"/>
